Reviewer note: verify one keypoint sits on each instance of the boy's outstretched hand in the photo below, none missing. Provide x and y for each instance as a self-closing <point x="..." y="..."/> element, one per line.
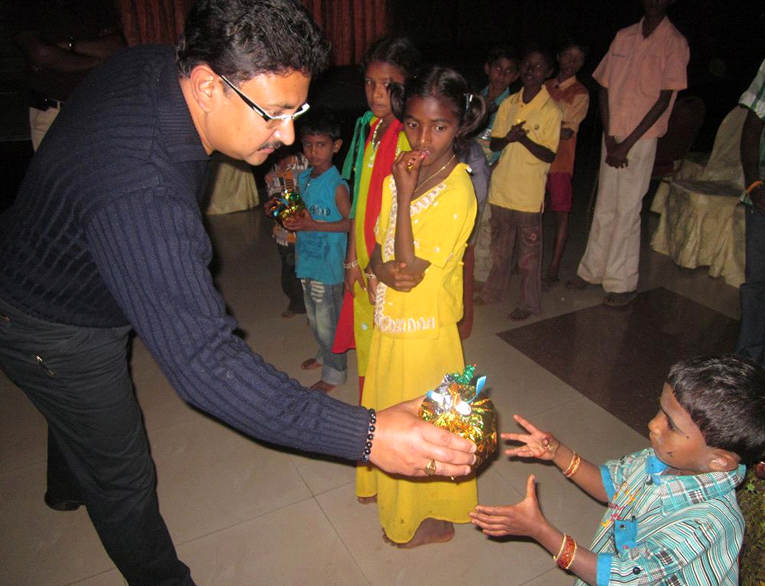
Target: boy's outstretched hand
<point x="537" y="444"/>
<point x="524" y="519"/>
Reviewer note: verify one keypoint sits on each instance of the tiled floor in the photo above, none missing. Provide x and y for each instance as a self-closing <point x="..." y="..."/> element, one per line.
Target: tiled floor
<point x="242" y="513"/>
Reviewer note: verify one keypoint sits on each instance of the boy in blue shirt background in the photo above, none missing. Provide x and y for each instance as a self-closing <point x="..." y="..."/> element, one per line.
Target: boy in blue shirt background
<point x="321" y="242"/>
<point x="672" y="515"/>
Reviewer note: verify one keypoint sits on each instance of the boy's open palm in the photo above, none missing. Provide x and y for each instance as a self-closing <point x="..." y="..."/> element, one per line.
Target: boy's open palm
<point x="525" y="518"/>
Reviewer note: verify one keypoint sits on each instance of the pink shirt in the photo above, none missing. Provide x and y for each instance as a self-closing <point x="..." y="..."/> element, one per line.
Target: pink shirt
<point x="636" y="69"/>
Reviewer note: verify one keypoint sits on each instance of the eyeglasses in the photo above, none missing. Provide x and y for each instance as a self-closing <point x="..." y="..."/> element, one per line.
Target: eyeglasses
<point x="270" y="120"/>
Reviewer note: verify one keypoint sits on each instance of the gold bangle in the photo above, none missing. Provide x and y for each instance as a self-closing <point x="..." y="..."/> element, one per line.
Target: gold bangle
<point x="576" y="459"/>
<point x="754" y="185"/>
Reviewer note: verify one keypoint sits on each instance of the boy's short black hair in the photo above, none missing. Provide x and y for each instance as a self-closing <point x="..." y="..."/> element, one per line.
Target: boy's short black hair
<point x="542" y="50"/>
<point x="245" y="38"/>
<point x="502" y="52"/>
<point x="725" y="397"/>
<point x="569" y="42"/>
<point x="319" y="121"/>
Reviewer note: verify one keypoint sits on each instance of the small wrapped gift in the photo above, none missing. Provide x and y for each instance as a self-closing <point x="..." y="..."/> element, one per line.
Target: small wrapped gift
<point x="287" y="205"/>
<point x="458" y="405"/>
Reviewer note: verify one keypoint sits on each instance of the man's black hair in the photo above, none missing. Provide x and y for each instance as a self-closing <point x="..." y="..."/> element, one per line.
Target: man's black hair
<point x="725" y="397"/>
<point x="319" y="121"/>
<point x="245" y="38"/>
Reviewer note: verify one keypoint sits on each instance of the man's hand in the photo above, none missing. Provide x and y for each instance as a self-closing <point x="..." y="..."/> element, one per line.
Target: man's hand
<point x="391" y="273"/>
<point x="405" y="444"/>
<point x="525" y="518"/>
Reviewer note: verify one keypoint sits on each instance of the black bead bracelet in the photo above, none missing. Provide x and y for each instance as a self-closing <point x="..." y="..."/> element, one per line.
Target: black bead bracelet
<point x="370" y="437"/>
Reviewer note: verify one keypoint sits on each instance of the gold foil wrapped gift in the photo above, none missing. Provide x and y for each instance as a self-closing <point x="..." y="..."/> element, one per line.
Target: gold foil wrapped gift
<point x="287" y="205"/>
<point x="459" y="405"/>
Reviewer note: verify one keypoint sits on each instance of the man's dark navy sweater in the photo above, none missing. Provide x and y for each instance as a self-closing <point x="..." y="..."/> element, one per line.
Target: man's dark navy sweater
<point x="107" y="231"/>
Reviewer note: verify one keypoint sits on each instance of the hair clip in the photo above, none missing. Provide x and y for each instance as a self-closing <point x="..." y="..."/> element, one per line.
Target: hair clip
<point x="468" y="101"/>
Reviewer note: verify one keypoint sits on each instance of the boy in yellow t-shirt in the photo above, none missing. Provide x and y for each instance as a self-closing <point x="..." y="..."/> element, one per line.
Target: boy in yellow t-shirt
<point x="526" y="132"/>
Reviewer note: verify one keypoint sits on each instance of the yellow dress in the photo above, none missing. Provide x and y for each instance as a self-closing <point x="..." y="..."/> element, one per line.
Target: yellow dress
<point x="362" y="309"/>
<point x="415" y="342"/>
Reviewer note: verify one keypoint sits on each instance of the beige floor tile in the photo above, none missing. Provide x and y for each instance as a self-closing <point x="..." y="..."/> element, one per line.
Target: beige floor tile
<point x="470" y="558"/>
<point x="290" y="546"/>
<point x="211" y="477"/>
<point x="41" y="546"/>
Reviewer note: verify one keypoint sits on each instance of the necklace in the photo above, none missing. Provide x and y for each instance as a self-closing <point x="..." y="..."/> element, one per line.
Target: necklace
<point x="374" y="143"/>
<point x="416" y="189"/>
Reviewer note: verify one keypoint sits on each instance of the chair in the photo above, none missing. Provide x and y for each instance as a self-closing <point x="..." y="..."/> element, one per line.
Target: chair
<point x="701" y="220"/>
<point x="682" y="127"/>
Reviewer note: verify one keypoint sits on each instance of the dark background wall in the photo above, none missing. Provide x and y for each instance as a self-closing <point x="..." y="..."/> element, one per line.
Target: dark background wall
<point x="726" y="38"/>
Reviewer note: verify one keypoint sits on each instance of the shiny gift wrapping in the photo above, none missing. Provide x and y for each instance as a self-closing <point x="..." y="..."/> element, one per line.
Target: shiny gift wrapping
<point x="287" y="205"/>
<point x="458" y="405"/>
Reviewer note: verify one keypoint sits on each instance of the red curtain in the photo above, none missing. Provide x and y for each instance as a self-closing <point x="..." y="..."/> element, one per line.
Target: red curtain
<point x="147" y="22"/>
<point x="350" y="25"/>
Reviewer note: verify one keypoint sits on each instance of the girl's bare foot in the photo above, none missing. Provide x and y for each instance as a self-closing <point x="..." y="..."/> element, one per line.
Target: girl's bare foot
<point x="429" y="531"/>
<point x="367" y="500"/>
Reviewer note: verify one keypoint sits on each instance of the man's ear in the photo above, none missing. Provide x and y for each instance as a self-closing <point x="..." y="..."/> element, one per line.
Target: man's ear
<point x="723" y="460"/>
<point x="205" y="86"/>
<point x="336" y="144"/>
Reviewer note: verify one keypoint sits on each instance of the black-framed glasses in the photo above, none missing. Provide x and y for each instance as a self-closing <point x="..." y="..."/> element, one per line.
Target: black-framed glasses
<point x="269" y="119"/>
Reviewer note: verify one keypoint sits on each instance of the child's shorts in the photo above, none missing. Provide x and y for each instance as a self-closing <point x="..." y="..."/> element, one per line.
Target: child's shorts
<point x="561" y="192"/>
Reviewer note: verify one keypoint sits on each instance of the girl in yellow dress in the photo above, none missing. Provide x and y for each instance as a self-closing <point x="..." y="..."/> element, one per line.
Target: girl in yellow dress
<point x="376" y="142"/>
<point x="428" y="210"/>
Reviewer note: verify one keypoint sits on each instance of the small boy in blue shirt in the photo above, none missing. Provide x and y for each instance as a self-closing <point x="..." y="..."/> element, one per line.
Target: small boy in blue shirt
<point x="672" y="515"/>
<point x="321" y="241"/>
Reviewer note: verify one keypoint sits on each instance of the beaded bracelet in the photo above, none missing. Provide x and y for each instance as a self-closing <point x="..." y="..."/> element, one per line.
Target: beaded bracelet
<point x="754" y="185"/>
<point x="350" y="265"/>
<point x="370" y="436"/>
<point x="576" y="459"/>
<point x="566" y="553"/>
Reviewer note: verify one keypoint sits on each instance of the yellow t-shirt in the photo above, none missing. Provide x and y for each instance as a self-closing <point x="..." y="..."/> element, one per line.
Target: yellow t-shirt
<point x="442" y="220"/>
<point x="518" y="182"/>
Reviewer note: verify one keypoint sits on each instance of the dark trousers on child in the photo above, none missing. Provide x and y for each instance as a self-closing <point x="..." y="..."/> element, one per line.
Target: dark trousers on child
<point x="291" y="285"/>
<point x="509" y="227"/>
<point x="79" y="380"/>
<point x="751" y="338"/>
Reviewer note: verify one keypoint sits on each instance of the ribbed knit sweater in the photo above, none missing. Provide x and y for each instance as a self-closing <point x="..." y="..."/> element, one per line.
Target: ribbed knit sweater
<point x="107" y="231"/>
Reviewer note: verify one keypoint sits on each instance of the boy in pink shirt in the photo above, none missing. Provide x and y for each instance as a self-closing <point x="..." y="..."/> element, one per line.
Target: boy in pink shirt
<point x="639" y="78"/>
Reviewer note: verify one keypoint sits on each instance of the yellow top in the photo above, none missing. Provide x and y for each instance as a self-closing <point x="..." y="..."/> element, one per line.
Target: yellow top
<point x="518" y="182"/>
<point x="442" y="220"/>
